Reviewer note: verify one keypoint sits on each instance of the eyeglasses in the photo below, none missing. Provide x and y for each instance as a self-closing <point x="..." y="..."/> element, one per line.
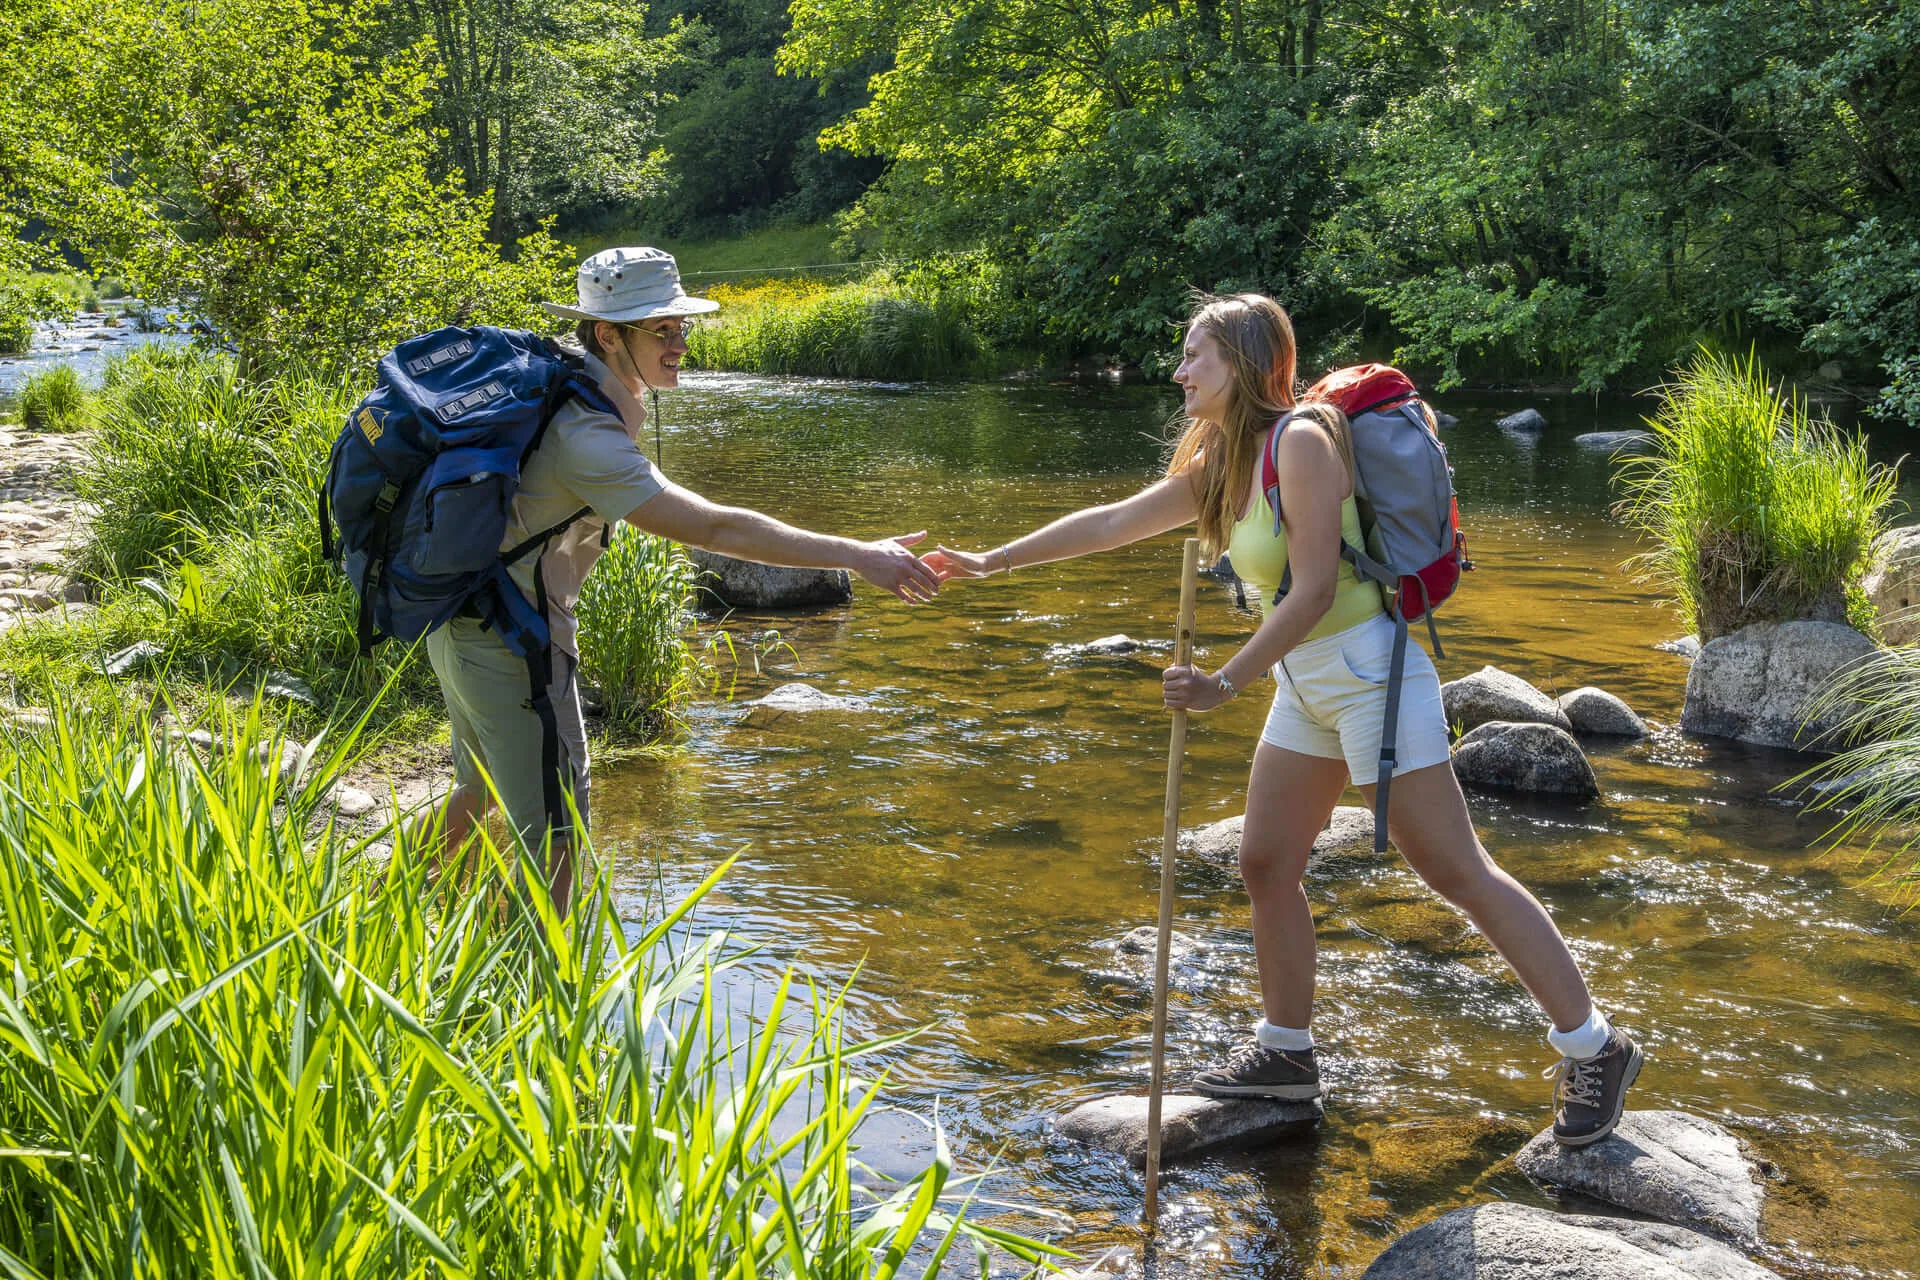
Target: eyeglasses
<point x="673" y="329"/>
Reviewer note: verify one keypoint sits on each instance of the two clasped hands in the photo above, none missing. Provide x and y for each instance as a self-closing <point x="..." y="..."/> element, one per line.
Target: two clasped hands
<point x="918" y="579"/>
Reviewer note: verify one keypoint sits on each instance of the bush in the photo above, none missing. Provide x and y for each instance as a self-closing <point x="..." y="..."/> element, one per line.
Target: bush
<point x="881" y="327"/>
<point x="633" y="615"/>
<point x="230" y="1052"/>
<point x="24" y="301"/>
<point x="54" y="400"/>
<point x="1756" y="512"/>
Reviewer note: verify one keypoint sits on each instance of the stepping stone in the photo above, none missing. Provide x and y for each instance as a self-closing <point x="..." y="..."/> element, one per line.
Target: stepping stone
<point x="804" y="697"/>
<point x="1538" y="758"/>
<point x="1492" y="694"/>
<point x="744" y="584"/>
<point x="1616" y="441"/>
<point x="1190" y="1125"/>
<point x="1600" y="714"/>
<point x="1520" y="1242"/>
<point x="1665" y="1164"/>
<point x="1348" y="834"/>
<point x="1144" y="941"/>
<point x="1531" y="421"/>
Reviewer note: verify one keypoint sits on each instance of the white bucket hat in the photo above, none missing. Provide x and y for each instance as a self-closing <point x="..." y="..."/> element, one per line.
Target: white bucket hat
<point x="624" y="285"/>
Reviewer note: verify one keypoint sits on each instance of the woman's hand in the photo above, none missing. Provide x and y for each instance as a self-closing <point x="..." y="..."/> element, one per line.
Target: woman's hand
<point x="947" y="563"/>
<point x="1190" y="689"/>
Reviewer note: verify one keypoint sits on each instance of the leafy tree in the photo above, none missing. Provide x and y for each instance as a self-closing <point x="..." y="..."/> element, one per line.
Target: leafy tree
<point x="547" y="108"/>
<point x="238" y="160"/>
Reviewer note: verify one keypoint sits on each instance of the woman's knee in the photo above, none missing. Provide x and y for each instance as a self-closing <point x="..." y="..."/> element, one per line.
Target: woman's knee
<point x="1270" y="865"/>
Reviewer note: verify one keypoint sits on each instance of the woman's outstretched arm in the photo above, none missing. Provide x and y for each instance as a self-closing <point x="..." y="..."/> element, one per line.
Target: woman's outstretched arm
<point x="1165" y="505"/>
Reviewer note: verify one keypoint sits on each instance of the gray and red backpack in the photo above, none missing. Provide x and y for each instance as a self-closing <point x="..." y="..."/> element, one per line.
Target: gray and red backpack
<point x="1403" y="488"/>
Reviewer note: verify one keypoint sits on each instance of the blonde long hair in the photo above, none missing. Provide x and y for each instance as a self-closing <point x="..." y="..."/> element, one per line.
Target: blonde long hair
<point x="1256" y="337"/>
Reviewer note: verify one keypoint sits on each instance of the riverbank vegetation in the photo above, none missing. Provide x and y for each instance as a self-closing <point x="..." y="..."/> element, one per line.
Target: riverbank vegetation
<point x="1756" y="511"/>
<point x="55" y="400"/>
<point x="203" y="547"/>
<point x="231" y="1049"/>
<point x="1874" y="788"/>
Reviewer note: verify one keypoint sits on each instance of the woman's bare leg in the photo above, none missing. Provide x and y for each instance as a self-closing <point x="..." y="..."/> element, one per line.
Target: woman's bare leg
<point x="1430" y="824"/>
<point x="1289" y="798"/>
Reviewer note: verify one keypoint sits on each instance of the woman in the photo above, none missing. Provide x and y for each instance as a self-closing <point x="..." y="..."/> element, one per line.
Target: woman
<point x="1327" y="644"/>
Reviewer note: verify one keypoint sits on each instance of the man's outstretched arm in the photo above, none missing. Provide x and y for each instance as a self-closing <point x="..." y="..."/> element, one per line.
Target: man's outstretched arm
<point x="744" y="534"/>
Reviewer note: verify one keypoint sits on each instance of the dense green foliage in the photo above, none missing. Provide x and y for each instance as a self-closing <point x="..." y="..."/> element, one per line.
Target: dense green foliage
<point x="249" y="163"/>
<point x="230" y="1051"/>
<point x="55" y="400"/>
<point x="1755" y="512"/>
<point x="1570" y="187"/>
<point x="25" y="300"/>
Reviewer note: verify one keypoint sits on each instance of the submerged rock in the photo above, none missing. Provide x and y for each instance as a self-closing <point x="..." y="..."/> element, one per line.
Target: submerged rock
<point x="1348" y="833"/>
<point x="1525" y="757"/>
<point x="745" y="584"/>
<point x="1531" y="421"/>
<point x="1597" y="712"/>
<point x="1761" y="683"/>
<point x="804" y="697"/>
<point x="1189" y="1124"/>
<point x="1666" y="1164"/>
<point x="1420" y="1155"/>
<point x="1492" y="694"/>
<point x="1520" y="1242"/>
<point x="1114" y="646"/>
<point x="1893" y="584"/>
<point x="1616" y="441"/>
<point x="1144" y="941"/>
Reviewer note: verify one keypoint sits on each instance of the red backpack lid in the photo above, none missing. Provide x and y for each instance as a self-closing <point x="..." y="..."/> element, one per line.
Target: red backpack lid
<point x="1358" y="388"/>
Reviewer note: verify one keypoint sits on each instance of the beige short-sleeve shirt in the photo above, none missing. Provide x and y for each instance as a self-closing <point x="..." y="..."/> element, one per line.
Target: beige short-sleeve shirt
<point x="586" y="459"/>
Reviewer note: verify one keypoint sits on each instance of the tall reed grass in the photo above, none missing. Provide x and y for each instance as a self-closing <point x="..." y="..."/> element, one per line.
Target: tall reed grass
<point x="228" y="1051"/>
<point x="55" y="400"/>
<point x="881" y="327"/>
<point x="1756" y="512"/>
<point x="1874" y="787"/>
<point x="635" y="610"/>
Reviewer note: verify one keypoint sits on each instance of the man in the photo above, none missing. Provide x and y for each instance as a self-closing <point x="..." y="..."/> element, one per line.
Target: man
<point x="632" y="319"/>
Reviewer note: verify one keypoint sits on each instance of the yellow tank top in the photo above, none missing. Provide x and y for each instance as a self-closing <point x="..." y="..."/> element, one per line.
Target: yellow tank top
<point x="1260" y="557"/>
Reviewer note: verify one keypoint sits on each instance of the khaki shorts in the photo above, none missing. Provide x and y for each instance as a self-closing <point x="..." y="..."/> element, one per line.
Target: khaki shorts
<point x="488" y="692"/>
<point x="1333" y="702"/>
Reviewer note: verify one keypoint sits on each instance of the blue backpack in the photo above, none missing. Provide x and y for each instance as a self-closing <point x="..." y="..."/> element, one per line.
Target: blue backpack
<point x="421" y="481"/>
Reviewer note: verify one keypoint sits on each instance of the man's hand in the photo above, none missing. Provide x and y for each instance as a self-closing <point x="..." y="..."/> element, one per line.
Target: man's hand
<point x="1190" y="689"/>
<point x="889" y="565"/>
<point x="948" y="563"/>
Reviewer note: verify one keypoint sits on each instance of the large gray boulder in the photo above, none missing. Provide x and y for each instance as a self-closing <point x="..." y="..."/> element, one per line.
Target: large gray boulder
<point x="1540" y="758"/>
<point x="1189" y="1124"/>
<point x="1492" y="694"/>
<point x="1348" y="833"/>
<point x="1503" y="1241"/>
<point x="1893" y="584"/>
<point x="1665" y="1164"/>
<point x="1531" y="421"/>
<point x="1598" y="713"/>
<point x="743" y="584"/>
<point x="1760" y="684"/>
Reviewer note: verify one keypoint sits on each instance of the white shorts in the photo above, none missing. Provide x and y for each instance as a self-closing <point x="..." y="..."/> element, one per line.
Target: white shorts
<point x="1333" y="702"/>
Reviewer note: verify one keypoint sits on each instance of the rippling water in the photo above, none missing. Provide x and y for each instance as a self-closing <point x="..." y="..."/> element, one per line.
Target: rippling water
<point x="976" y="841"/>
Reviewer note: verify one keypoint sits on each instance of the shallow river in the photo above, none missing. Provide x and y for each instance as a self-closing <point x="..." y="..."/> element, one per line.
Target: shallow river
<point x="976" y="841"/>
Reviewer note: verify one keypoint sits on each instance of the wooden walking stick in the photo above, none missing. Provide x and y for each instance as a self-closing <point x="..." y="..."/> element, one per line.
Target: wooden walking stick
<point x="1169" y="842"/>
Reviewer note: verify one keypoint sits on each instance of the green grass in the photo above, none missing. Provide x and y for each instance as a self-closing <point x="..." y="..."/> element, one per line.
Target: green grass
<point x="1876" y="784"/>
<point x="634" y="616"/>
<point x="1755" y="511"/>
<point x="55" y="400"/>
<point x="228" y="1051"/>
<point x="884" y="326"/>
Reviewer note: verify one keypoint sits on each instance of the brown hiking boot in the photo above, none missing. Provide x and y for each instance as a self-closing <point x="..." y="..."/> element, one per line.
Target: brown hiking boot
<point x="1254" y="1071"/>
<point x="1590" y="1093"/>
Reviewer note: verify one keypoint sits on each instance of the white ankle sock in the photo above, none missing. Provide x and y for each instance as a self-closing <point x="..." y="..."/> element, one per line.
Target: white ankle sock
<point x="1294" y="1038"/>
<point x="1585" y="1040"/>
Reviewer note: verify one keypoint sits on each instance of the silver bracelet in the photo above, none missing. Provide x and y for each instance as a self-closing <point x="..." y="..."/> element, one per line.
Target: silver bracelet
<point x="1220" y="678"/>
<point x="1007" y="556"/>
